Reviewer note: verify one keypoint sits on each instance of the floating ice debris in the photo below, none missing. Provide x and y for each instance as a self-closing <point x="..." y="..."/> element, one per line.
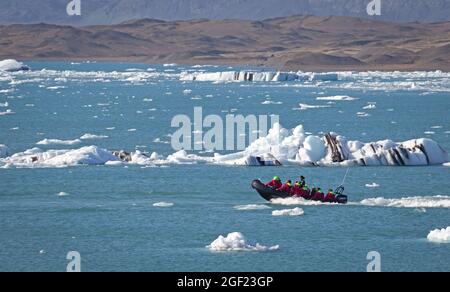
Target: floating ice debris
<point x="271" y="102"/>
<point x="92" y="137"/>
<point x="4" y="104"/>
<point x="187" y="91"/>
<point x="429" y="133"/>
<point x="132" y="130"/>
<point x="251" y="207"/>
<point x="7" y="112"/>
<point x="304" y="106"/>
<point x="447" y="164"/>
<point x="410" y="202"/>
<point x="289" y="212"/>
<point x="62" y="194"/>
<point x="35" y="157"/>
<point x="56" y="87"/>
<point x="12" y="66"/>
<point x="439" y="235"/>
<point x="236" y="242"/>
<point x="58" y="142"/>
<point x="337" y="98"/>
<point x="163" y="205"/>
<point x="4" y="151"/>
<point x="372" y="185"/>
<point x="370" y="106"/>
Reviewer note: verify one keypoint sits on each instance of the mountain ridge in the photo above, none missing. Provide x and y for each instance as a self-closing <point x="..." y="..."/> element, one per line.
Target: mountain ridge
<point x="295" y="43"/>
<point x="96" y="12"/>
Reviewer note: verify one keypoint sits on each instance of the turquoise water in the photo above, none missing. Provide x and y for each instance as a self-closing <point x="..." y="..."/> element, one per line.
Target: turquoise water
<point x="108" y="214"/>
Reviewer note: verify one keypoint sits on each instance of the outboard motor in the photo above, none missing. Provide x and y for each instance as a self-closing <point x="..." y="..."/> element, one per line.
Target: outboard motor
<point x="340" y="197"/>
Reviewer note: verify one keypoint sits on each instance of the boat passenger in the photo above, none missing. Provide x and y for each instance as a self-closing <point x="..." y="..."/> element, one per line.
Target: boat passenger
<point x="330" y="197"/>
<point x="286" y="187"/>
<point x="275" y="183"/>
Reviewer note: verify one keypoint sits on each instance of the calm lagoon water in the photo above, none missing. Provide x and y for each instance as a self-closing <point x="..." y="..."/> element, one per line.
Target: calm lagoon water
<point x="108" y="215"/>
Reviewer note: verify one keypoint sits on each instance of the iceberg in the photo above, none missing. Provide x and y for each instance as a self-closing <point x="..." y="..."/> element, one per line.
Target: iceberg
<point x="91" y="155"/>
<point x="439" y="235"/>
<point x="237" y="242"/>
<point x="289" y="212"/>
<point x="4" y="151"/>
<point x="12" y="66"/>
<point x="254" y="76"/>
<point x="282" y="146"/>
<point x="242" y="76"/>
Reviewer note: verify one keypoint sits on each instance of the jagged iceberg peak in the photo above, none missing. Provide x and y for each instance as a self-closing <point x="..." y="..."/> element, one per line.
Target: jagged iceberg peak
<point x="11" y="65"/>
<point x="282" y="146"/>
<point x="4" y="151"/>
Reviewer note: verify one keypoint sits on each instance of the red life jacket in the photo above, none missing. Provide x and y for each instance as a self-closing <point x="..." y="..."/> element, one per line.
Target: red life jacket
<point x="297" y="191"/>
<point x="318" y="196"/>
<point x="330" y="198"/>
<point x="275" y="184"/>
<point x="285" y="188"/>
<point x="306" y="194"/>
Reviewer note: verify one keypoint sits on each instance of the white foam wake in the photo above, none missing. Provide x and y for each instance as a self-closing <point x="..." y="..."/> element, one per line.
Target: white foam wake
<point x="409" y="202"/>
<point x="289" y="212"/>
<point x="293" y="201"/>
<point x="439" y="235"/>
<point x="236" y="242"/>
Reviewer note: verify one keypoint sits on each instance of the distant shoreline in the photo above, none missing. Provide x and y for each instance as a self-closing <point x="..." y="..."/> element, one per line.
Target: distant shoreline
<point x="245" y="66"/>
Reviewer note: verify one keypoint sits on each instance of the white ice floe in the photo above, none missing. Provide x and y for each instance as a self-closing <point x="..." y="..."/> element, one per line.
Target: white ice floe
<point x="446" y="164"/>
<point x="236" y="242"/>
<point x="304" y="106"/>
<point x="409" y="202"/>
<point x="439" y="235"/>
<point x="62" y="194"/>
<point x="4" y="151"/>
<point x="251" y="207"/>
<point x="4" y="104"/>
<point x="38" y="158"/>
<point x="12" y="66"/>
<point x="372" y="185"/>
<point x="93" y="137"/>
<point x="289" y="212"/>
<point x="58" y="142"/>
<point x="271" y="102"/>
<point x="370" y="106"/>
<point x="337" y="98"/>
<point x="163" y="205"/>
<point x="7" y="112"/>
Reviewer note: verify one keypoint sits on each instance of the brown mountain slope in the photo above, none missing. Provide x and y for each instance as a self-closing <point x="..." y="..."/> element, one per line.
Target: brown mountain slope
<point x="297" y="43"/>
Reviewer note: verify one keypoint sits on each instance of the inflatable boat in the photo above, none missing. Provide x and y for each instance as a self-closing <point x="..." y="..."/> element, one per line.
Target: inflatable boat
<point x="269" y="194"/>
